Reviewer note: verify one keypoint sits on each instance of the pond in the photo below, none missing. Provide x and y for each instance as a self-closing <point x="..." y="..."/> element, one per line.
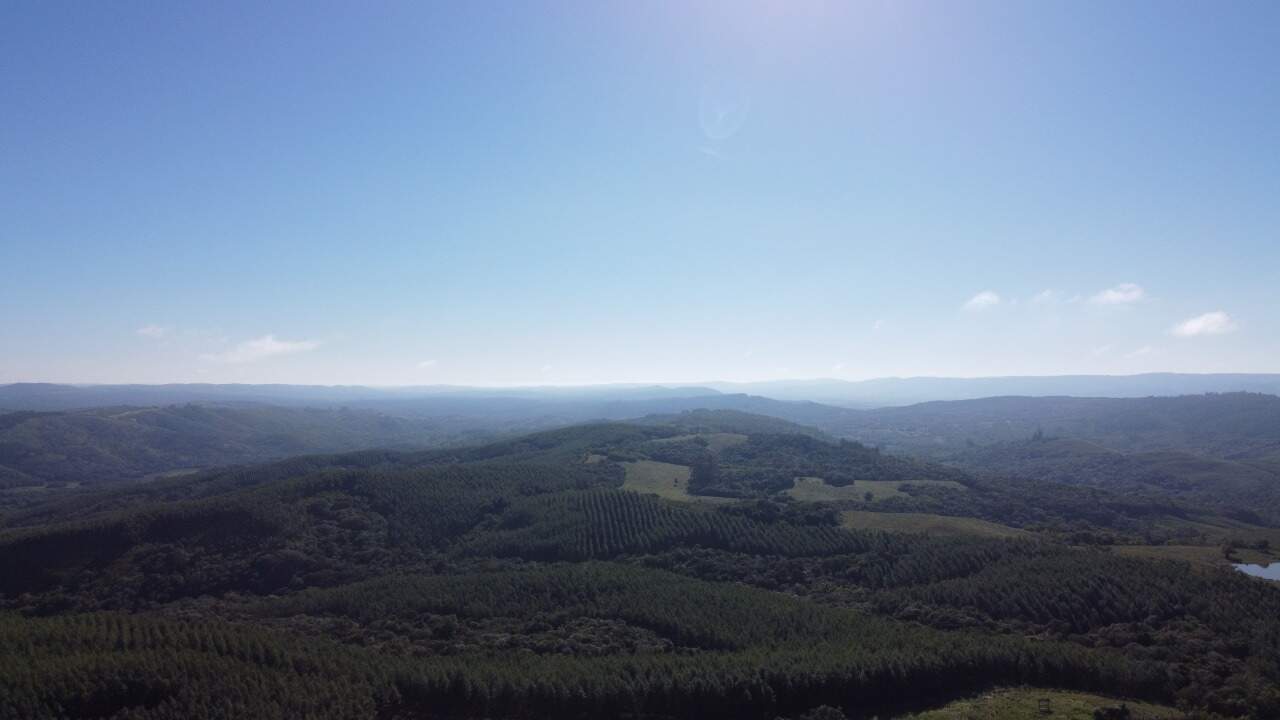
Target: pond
<point x="1270" y="572"/>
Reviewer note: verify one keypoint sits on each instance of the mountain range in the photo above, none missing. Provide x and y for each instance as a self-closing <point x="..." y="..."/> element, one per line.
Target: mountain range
<point x="873" y="393"/>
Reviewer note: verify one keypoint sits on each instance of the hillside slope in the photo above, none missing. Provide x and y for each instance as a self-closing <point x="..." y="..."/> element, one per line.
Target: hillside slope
<point x="103" y="445"/>
<point x="1249" y="490"/>
<point x="519" y="579"/>
<point x="1230" y="425"/>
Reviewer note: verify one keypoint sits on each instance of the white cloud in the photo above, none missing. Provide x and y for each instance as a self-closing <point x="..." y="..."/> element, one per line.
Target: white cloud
<point x="837" y="367"/>
<point x="261" y="348"/>
<point x="877" y="326"/>
<point x="152" y="331"/>
<point x="1122" y="294"/>
<point x="982" y="301"/>
<point x="1210" y="323"/>
<point x="1046" y="297"/>
<point x="1144" y="350"/>
<point x="427" y="364"/>
<point x="1101" y="350"/>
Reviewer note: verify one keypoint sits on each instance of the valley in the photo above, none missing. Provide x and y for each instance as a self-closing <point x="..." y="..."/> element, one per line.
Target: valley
<point x="611" y="568"/>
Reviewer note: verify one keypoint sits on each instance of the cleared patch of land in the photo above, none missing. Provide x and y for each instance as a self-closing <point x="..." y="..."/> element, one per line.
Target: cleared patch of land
<point x="812" y="489"/>
<point x="1220" y="529"/>
<point x="1252" y="555"/>
<point x="1021" y="703"/>
<point x="926" y="523"/>
<point x="664" y="480"/>
<point x="1198" y="554"/>
<point x="167" y="474"/>
<point x="715" y="441"/>
<point x="1254" y="543"/>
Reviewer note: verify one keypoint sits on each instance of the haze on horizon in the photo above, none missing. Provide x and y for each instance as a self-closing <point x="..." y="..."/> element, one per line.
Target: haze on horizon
<point x="580" y="193"/>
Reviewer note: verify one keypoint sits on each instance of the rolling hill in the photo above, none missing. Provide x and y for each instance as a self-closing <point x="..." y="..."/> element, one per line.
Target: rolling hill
<point x="1229" y="425"/>
<point x="522" y="578"/>
<point x="103" y="445"/>
<point x="885" y="392"/>
<point x="1243" y="489"/>
<point x="117" y="443"/>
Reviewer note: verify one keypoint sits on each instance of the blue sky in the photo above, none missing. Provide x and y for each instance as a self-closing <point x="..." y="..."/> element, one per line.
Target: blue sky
<point x="508" y="193"/>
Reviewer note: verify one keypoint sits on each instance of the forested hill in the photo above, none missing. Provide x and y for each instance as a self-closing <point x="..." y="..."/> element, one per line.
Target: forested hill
<point x="106" y="444"/>
<point x="101" y="445"/>
<point x="1228" y="425"/>
<point x="1219" y="452"/>
<point x="879" y="392"/>
<point x="580" y="573"/>
<point x="1247" y="488"/>
<point x="56" y="396"/>
<point x="886" y="392"/>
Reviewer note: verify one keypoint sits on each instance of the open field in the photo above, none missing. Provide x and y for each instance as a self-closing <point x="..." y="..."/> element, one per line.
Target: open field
<point x="812" y="489"/>
<point x="167" y="474"/>
<point x="664" y="480"/>
<point x="1222" y="529"/>
<point x="1198" y="554"/>
<point x="1251" y="555"/>
<point x="925" y="523"/>
<point x="1021" y="703"/>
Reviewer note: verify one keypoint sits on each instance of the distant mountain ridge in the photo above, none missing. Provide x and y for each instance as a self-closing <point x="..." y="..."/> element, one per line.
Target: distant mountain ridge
<point x="882" y="392"/>
<point x="127" y="442"/>
<point x="103" y="445"/>
<point x="879" y="392"/>
<point x="1225" y="425"/>
<point x="56" y="396"/>
<point x="1134" y="443"/>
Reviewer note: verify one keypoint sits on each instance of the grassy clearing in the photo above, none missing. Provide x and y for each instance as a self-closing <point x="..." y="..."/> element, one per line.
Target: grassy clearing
<point x="664" y="480"/>
<point x="926" y="523"/>
<point x="1022" y="703"/>
<point x="1222" y="529"/>
<point x="1195" y="554"/>
<point x="1213" y="534"/>
<point x="812" y="489"/>
<point x="1200" y="554"/>
<point x="1257" y="557"/>
<point x="167" y="474"/>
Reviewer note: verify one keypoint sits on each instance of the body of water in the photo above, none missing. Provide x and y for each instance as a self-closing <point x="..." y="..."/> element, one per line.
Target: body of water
<point x="1270" y="572"/>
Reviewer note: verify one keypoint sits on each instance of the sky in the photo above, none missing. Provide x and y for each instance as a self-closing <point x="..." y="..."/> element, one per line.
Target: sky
<point x="413" y="193"/>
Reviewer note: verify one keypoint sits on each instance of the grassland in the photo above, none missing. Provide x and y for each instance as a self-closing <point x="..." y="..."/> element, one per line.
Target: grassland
<point x="812" y="489"/>
<point x="1221" y="529"/>
<point x="926" y="523"/>
<point x="1201" y="554"/>
<point x="1023" y="703"/>
<point x="1258" y="557"/>
<point x="664" y="480"/>
<point x="168" y="474"/>
<point x="1195" y="554"/>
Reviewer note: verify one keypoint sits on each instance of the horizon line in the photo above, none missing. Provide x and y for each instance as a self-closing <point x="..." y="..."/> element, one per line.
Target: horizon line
<point x="640" y="384"/>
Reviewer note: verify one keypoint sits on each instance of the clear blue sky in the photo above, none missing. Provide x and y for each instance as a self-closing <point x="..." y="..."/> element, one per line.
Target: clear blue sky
<point x="498" y="193"/>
